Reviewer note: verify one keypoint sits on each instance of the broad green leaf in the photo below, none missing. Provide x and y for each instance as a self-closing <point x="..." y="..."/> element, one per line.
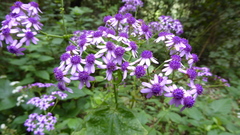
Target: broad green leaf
<point x="221" y="106"/>
<point x="194" y="113"/>
<point x="21" y="61"/>
<point x="76" y="93"/>
<point x="42" y="74"/>
<point x="175" y="117"/>
<point x="99" y="78"/>
<point x="108" y="121"/>
<point x="81" y="132"/>
<point x="45" y="58"/>
<point x="5" y="88"/>
<point x="20" y="119"/>
<point x="74" y="123"/>
<point x="7" y="103"/>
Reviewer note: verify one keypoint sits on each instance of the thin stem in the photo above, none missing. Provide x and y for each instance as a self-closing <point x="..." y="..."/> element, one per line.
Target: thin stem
<point x="160" y="66"/>
<point x="54" y="105"/>
<point x="115" y="95"/>
<point x="50" y="35"/>
<point x="62" y="13"/>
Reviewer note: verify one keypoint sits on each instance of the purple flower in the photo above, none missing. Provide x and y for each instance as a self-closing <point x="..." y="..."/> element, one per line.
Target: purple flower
<point x="90" y="60"/>
<point x="146" y="57"/>
<point x="84" y="78"/>
<point x="173" y="65"/>
<point x="60" y="94"/>
<point x="62" y="86"/>
<point x="119" y="52"/>
<point x="15" y="48"/>
<point x="145" y="31"/>
<point x="6" y="34"/>
<point x="42" y="103"/>
<point x="31" y="21"/>
<point x="59" y="75"/>
<point x="97" y="37"/>
<point x="177" y="94"/>
<point x="17" y="7"/>
<point x="163" y="36"/>
<point x="124" y="68"/>
<point x="132" y="46"/>
<point x="156" y="87"/>
<point x="110" y="66"/>
<point x="28" y="36"/>
<point x="109" y="48"/>
<point x="176" y="43"/>
<point x="75" y="64"/>
<point x="188" y="102"/>
<point x="138" y="71"/>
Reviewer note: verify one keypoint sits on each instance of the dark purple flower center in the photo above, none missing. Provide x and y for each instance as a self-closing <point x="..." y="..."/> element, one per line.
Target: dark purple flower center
<point x="140" y="71"/>
<point x="75" y="60"/>
<point x="199" y="89"/>
<point x="176" y="58"/>
<point x="32" y="20"/>
<point x="18" y="4"/>
<point x="163" y="34"/>
<point x="82" y="42"/>
<point x="119" y="51"/>
<point x="146" y="54"/>
<point x="102" y="28"/>
<point x="29" y="35"/>
<point x="65" y="56"/>
<point x="133" y="45"/>
<point x="124" y="66"/>
<point x="97" y="34"/>
<point x="160" y="79"/>
<point x="111" y="66"/>
<point x="83" y="76"/>
<point x="119" y="17"/>
<point x="14" y="15"/>
<point x="70" y="48"/>
<point x="195" y="58"/>
<point x="188" y="48"/>
<point x="110" y="46"/>
<point x="6" y="32"/>
<point x="176" y="40"/>
<point x="192" y="74"/>
<point x="58" y="75"/>
<point x="83" y="36"/>
<point x="12" y="49"/>
<point x="178" y="93"/>
<point x="90" y="59"/>
<point x="131" y="20"/>
<point x="61" y="86"/>
<point x="144" y="28"/>
<point x="123" y="34"/>
<point x="156" y="88"/>
<point x="174" y="65"/>
<point x="34" y="4"/>
<point x="110" y="31"/>
<point x="106" y="18"/>
<point x="188" y="101"/>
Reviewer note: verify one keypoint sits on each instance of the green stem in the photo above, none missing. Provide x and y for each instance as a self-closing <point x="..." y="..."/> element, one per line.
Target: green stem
<point x="115" y="95"/>
<point x="62" y="13"/>
<point x="50" y="35"/>
<point x="54" y="105"/>
<point x="160" y="66"/>
<point x="215" y="86"/>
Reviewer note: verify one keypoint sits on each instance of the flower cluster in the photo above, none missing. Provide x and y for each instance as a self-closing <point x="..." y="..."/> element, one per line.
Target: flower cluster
<point x="45" y="101"/>
<point x="130" y="6"/>
<point x="20" y="27"/>
<point x="166" y="24"/>
<point x="39" y="122"/>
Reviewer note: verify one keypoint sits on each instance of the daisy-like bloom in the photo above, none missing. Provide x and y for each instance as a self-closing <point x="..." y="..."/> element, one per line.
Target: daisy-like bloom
<point x="177" y="94"/>
<point x="32" y="8"/>
<point x="72" y="49"/>
<point x="109" y="48"/>
<point x="156" y="87"/>
<point x="146" y="57"/>
<point x="31" y="21"/>
<point x="133" y="22"/>
<point x="62" y="86"/>
<point x="119" y="52"/>
<point x="186" y="51"/>
<point x="116" y="20"/>
<point x="82" y="44"/>
<point x="162" y="36"/>
<point x="16" y="8"/>
<point x="123" y="37"/>
<point x="6" y="34"/>
<point x="74" y="63"/>
<point x="175" y="42"/>
<point x="28" y="36"/>
<point x="59" y="76"/>
<point x="83" y="77"/>
<point x="138" y="71"/>
<point x="97" y="37"/>
<point x="64" y="57"/>
<point x="132" y="46"/>
<point x="188" y="102"/>
<point x="90" y="60"/>
<point x="15" y="48"/>
<point x="173" y="65"/>
<point x="125" y="68"/>
<point x="197" y="89"/>
<point x="60" y="94"/>
<point x="110" y="66"/>
<point x="192" y="59"/>
<point x="145" y="31"/>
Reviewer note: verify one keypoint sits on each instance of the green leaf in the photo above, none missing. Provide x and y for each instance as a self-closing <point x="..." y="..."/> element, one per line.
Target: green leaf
<point x="20" y="119"/>
<point x="76" y="93"/>
<point x="174" y="117"/>
<point x="108" y="121"/>
<point x="7" y="103"/>
<point x="5" y="88"/>
<point x="42" y="74"/>
<point x="99" y="78"/>
<point x="45" y="58"/>
<point x="194" y="113"/>
<point x="74" y="123"/>
<point x="221" y="106"/>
